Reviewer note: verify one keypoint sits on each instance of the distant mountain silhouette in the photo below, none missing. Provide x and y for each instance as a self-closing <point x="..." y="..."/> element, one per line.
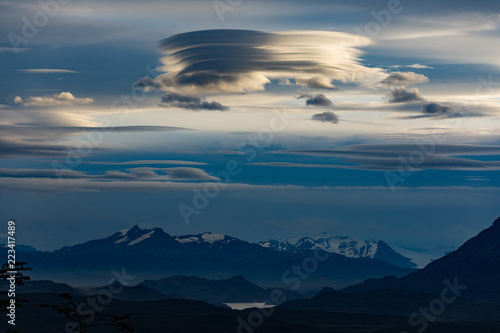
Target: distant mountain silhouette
<point x="20" y="247"/>
<point x="233" y="290"/>
<point x="44" y="286"/>
<point x="348" y="246"/>
<point x="474" y="265"/>
<point x="134" y="294"/>
<point x="153" y="254"/>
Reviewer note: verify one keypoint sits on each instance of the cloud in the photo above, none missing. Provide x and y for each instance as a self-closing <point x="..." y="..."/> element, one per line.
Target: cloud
<point x="328" y="116"/>
<point x="175" y="100"/>
<point x="477" y="179"/>
<point x="238" y="61"/>
<point x="64" y="98"/>
<point x="387" y="150"/>
<point x="148" y="84"/>
<point x="437" y="110"/>
<point x="15" y="148"/>
<point x="131" y="174"/>
<point x="404" y="78"/>
<point x="317" y="82"/>
<point x="184" y="173"/>
<point x="46" y="71"/>
<point x="391" y="157"/>
<point x="401" y="95"/>
<point x="294" y="165"/>
<point x="138" y="162"/>
<point x="285" y="82"/>
<point x="418" y="66"/>
<point x="31" y="141"/>
<point x="463" y="37"/>
<point x="316" y="100"/>
<point x="88" y="185"/>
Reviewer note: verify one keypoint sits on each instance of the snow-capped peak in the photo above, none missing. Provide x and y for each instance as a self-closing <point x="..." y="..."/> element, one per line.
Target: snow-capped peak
<point x="132" y="235"/>
<point x="345" y="245"/>
<point x="207" y="237"/>
<point x="124" y="231"/>
<point x="141" y="238"/>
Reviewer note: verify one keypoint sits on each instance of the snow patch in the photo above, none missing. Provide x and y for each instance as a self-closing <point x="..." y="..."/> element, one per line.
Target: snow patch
<point x="121" y="240"/>
<point x="212" y="238"/>
<point x="140" y="239"/>
<point x="187" y="240"/>
<point x="124" y="231"/>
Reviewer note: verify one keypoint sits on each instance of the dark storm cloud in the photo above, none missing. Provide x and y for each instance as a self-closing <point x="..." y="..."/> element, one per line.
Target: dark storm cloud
<point x="404" y="78"/>
<point x="316" y="100"/>
<point x="401" y="95"/>
<point x="327" y="117"/>
<point x="175" y="100"/>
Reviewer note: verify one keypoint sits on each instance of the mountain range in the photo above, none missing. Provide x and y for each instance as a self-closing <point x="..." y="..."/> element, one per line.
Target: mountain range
<point x="347" y="246"/>
<point x="457" y="293"/>
<point x="153" y="254"/>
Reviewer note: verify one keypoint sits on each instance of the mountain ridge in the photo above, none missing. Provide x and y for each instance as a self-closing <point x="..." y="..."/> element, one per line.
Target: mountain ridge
<point x="344" y="245"/>
<point x="153" y="253"/>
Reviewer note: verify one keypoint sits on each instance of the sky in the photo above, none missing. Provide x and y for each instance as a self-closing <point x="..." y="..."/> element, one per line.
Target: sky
<point x="257" y="119"/>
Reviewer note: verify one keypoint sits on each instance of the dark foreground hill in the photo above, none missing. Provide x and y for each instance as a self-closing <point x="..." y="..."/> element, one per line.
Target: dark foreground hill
<point x="185" y="316"/>
<point x="474" y="267"/>
<point x="400" y="303"/>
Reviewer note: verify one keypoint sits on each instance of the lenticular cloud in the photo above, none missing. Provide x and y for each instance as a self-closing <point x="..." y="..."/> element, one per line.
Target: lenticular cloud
<point x="237" y="61"/>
